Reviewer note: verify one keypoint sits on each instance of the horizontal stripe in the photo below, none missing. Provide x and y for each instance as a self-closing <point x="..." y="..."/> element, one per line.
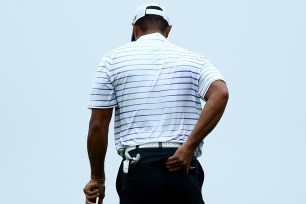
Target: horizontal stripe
<point x="143" y="126"/>
<point x="152" y="58"/>
<point x="126" y="136"/>
<point x="134" y="65"/>
<point x="154" y="75"/>
<point x="151" y="115"/>
<point x="155" y="69"/>
<point x="133" y="70"/>
<point x="151" y="80"/>
<point x="155" y="51"/>
<point x="98" y="94"/>
<point x="152" y="126"/>
<point x="177" y="101"/>
<point x="177" y="95"/>
<point x="155" y="86"/>
<point x="155" y="91"/>
<point x="101" y="83"/>
<point x="123" y="112"/>
<point x="109" y="89"/>
<point x="105" y="100"/>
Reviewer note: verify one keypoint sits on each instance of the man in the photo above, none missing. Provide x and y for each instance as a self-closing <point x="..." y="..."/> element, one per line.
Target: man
<point x="155" y="88"/>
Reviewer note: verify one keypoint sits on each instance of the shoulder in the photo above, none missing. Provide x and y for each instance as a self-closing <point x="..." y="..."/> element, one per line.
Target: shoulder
<point x="112" y="54"/>
<point x="124" y="48"/>
<point x="188" y="54"/>
<point x="185" y="51"/>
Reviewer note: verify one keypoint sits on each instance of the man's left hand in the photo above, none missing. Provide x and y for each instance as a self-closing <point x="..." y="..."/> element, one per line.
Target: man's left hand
<point x="93" y="190"/>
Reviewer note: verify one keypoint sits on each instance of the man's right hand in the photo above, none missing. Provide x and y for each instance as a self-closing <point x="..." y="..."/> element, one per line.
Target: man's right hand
<point x="180" y="160"/>
<point x="93" y="190"/>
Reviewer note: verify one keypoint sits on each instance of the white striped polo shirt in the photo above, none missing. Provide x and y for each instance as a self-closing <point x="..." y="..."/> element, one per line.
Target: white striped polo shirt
<point x="155" y="87"/>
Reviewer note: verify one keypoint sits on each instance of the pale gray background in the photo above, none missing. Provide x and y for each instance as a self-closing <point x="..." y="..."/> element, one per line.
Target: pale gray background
<point x="49" y="52"/>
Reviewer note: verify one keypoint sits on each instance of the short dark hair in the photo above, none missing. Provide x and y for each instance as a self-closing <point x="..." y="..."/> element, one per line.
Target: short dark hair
<point x="150" y="20"/>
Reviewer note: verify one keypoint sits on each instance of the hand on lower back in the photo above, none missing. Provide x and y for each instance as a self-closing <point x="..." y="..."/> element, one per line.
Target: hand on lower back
<point x="180" y="160"/>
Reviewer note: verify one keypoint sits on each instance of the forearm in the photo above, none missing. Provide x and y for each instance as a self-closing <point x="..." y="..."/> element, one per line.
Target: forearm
<point x="97" y="147"/>
<point x="97" y="140"/>
<point x="209" y="118"/>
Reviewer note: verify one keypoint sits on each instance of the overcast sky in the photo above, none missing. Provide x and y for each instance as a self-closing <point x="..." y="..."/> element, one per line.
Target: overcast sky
<point x="49" y="51"/>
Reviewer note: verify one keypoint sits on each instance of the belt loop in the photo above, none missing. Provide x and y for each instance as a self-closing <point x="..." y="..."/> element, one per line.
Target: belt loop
<point x="160" y="144"/>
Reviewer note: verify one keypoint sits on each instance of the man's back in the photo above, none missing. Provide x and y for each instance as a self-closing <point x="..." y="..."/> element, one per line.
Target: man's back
<point x="157" y="88"/>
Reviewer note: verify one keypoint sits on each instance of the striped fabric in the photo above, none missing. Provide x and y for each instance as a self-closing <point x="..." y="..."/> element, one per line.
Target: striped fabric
<point x="155" y="88"/>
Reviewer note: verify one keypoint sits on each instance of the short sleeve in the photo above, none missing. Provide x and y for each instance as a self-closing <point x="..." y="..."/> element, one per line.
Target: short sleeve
<point x="208" y="74"/>
<point x="102" y="93"/>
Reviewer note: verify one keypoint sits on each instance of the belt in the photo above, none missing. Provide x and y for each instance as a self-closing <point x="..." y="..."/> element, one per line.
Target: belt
<point x="133" y="160"/>
<point x="159" y="145"/>
<point x="150" y="145"/>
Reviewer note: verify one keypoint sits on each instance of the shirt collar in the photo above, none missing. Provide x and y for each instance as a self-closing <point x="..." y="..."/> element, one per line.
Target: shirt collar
<point x="152" y="36"/>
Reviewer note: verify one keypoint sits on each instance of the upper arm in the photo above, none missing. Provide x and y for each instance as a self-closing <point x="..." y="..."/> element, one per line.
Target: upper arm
<point x="101" y="117"/>
<point x="217" y="88"/>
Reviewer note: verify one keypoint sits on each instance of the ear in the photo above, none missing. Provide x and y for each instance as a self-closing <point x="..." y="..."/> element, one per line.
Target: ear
<point x="167" y="31"/>
<point x="136" y="31"/>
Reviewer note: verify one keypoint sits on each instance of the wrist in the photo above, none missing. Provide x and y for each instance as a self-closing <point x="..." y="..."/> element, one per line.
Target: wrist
<point x="99" y="180"/>
<point x="191" y="145"/>
<point x="97" y="175"/>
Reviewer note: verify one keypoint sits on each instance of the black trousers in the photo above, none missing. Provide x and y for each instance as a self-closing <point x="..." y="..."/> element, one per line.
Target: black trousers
<point x="149" y="182"/>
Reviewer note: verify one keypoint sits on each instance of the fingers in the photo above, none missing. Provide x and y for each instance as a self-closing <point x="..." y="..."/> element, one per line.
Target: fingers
<point x="173" y="164"/>
<point x="101" y="197"/>
<point x="92" y="197"/>
<point x="91" y="192"/>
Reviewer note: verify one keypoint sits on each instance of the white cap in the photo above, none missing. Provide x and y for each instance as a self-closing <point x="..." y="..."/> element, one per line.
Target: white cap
<point x="141" y="11"/>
